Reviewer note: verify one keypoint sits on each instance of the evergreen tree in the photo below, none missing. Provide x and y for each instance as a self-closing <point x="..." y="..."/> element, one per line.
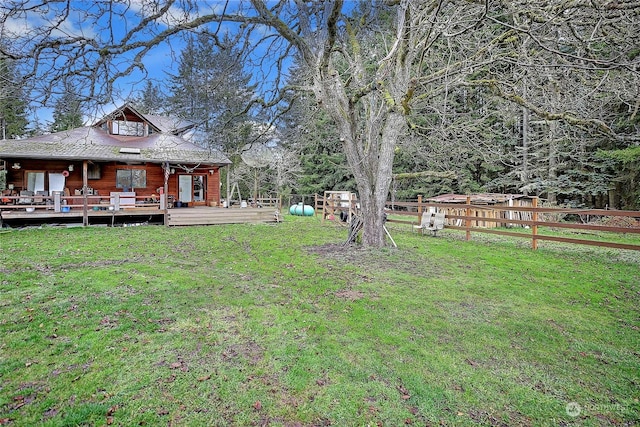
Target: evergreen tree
<point x="311" y="134"/>
<point x="322" y="161"/>
<point x="151" y="100"/>
<point x="624" y="190"/>
<point x="67" y="112"/>
<point x="13" y="118"/>
<point x="213" y="90"/>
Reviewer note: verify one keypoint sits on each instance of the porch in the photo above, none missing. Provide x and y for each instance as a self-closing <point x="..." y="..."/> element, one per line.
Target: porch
<point x="124" y="209"/>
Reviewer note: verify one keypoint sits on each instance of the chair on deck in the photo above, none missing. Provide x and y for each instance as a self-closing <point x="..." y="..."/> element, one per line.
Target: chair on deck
<point x="4" y="197"/>
<point x="26" y="197"/>
<point x="431" y="221"/>
<point x="40" y="197"/>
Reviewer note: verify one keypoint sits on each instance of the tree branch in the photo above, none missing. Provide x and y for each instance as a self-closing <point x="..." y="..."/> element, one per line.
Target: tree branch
<point x="596" y="124"/>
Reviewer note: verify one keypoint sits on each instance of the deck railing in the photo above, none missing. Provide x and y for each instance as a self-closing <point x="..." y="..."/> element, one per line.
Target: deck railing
<point x="62" y="203"/>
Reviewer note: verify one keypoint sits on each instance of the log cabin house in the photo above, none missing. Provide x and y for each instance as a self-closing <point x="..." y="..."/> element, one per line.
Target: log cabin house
<point x="128" y="163"/>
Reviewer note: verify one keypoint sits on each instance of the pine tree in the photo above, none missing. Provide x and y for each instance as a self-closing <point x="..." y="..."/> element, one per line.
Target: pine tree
<point x="151" y="100"/>
<point x="13" y="118"/>
<point x="314" y="137"/>
<point x="213" y="90"/>
<point x="67" y="112"/>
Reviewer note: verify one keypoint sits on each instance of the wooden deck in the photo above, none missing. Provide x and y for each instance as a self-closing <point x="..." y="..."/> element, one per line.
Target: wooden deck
<point x="175" y="217"/>
<point x="211" y="216"/>
<point x="19" y="217"/>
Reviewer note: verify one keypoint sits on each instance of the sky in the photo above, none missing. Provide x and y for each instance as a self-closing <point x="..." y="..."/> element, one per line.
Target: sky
<point x="158" y="62"/>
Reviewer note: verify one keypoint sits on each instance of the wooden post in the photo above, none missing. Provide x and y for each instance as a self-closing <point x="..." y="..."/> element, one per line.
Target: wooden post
<point x="255" y="191"/>
<point x="229" y="186"/>
<point x="534" y="227"/>
<point x="353" y="206"/>
<point x="164" y="197"/>
<point x="85" y="185"/>
<point x="420" y="213"/>
<point x="468" y="219"/>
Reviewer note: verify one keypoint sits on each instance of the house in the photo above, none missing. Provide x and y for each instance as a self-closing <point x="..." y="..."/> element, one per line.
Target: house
<point x="126" y="160"/>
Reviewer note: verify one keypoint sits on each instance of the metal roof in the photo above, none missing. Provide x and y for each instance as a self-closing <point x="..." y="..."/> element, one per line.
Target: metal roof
<point x="89" y="143"/>
<point x="169" y="124"/>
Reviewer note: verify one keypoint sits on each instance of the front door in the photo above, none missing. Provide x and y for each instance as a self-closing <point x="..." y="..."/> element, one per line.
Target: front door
<point x="191" y="189"/>
<point x="199" y="186"/>
<point x="185" y="189"/>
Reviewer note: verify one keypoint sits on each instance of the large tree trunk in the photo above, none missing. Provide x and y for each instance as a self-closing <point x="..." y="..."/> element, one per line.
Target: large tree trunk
<point x="371" y="118"/>
<point x="372" y="168"/>
<point x="369" y="149"/>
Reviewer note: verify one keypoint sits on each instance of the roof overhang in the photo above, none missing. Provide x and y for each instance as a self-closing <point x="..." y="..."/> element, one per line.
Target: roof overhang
<point x="93" y="144"/>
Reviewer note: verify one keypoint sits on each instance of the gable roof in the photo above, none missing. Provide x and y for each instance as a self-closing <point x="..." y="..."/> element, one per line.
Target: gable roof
<point x="93" y="143"/>
<point x="163" y="124"/>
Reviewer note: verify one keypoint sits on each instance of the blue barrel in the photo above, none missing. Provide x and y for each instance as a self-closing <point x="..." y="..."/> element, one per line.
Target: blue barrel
<point x="301" y="210"/>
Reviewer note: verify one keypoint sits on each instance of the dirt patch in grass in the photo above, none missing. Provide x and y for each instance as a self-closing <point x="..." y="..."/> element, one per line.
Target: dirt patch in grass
<point x="334" y="250"/>
<point x="349" y="294"/>
<point x="251" y="352"/>
<point x="482" y="417"/>
<point x="47" y="269"/>
<point x="376" y="260"/>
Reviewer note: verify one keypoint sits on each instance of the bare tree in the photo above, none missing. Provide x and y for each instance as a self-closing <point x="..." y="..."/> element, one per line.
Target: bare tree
<point x="373" y="66"/>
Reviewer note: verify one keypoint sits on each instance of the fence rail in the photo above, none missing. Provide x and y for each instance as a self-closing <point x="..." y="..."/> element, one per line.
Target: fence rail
<point x="492" y="219"/>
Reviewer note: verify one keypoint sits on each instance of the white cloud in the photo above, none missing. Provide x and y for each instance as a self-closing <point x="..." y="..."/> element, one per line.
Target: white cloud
<point x="42" y="21"/>
<point x="176" y="15"/>
<point x="12" y="28"/>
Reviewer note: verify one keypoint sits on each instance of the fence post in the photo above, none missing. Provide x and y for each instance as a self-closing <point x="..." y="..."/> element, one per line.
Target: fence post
<point x="468" y="219"/>
<point x="534" y="227"/>
<point x="324" y="202"/>
<point x="420" y="208"/>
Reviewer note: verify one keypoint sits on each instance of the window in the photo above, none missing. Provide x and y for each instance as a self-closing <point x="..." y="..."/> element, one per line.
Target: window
<point x="93" y="171"/>
<point x="56" y="182"/>
<point x="121" y="127"/>
<point x="131" y="178"/>
<point x="35" y="181"/>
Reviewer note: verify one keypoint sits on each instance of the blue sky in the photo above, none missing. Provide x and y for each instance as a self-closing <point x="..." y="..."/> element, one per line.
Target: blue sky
<point x="159" y="61"/>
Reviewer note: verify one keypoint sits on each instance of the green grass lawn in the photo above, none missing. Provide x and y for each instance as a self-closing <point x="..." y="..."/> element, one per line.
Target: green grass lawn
<point x="275" y="325"/>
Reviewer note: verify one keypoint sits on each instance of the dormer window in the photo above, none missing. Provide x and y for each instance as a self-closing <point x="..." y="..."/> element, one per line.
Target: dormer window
<point x="127" y="128"/>
<point x="127" y="122"/>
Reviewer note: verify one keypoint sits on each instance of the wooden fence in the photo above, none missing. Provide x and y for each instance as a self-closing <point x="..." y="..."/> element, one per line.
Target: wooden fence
<point x="498" y="219"/>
